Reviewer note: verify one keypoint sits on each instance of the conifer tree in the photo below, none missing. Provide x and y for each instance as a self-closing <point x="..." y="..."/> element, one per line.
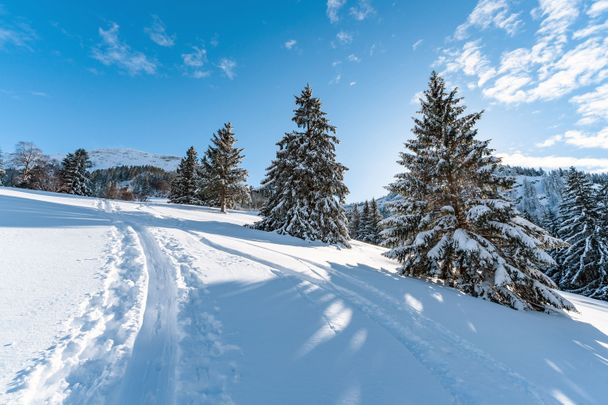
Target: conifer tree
<point x="584" y="263"/>
<point x="374" y="223"/>
<point x="305" y="181"/>
<point x="183" y="186"/>
<point x="2" y="171"/>
<point x="364" y="224"/>
<point x="74" y="174"/>
<point x="354" y="222"/>
<point x="222" y="178"/>
<point x="453" y="224"/>
<point x="529" y="204"/>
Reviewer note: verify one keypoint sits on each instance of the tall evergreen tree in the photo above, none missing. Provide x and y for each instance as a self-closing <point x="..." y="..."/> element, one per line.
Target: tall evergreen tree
<point x="184" y="185"/>
<point x="584" y="263"/>
<point x="529" y="204"/>
<point x="305" y="180"/>
<point x="453" y="223"/>
<point x="364" y="224"/>
<point x="374" y="223"/>
<point x="354" y="222"/>
<point x="222" y="177"/>
<point x="74" y="174"/>
<point x="2" y="171"/>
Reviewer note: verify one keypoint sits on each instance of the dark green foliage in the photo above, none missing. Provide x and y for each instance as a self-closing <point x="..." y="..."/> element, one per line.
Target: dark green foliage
<point x="184" y="185"/>
<point x="453" y="223"/>
<point x="74" y="175"/>
<point x="221" y="177"/>
<point x="305" y="181"/>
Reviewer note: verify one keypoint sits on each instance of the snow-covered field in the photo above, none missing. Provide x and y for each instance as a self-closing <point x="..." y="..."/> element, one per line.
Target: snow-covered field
<point x="124" y="303"/>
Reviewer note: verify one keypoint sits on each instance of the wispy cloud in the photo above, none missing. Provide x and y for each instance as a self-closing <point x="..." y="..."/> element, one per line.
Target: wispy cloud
<point x="333" y="8"/>
<point x="228" y="66"/>
<point x="353" y="58"/>
<point x="20" y="35"/>
<point x="597" y="8"/>
<point x="416" y="44"/>
<point x="592" y="106"/>
<point x="112" y="51"/>
<point x="38" y="93"/>
<point x="289" y="44"/>
<point x="490" y="13"/>
<point x="344" y="37"/>
<point x="362" y="10"/>
<point x="194" y="63"/>
<point x="158" y="33"/>
<point x="552" y="140"/>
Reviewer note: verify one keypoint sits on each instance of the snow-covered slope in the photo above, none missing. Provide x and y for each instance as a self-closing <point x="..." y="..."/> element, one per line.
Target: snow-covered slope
<point x="106" y="158"/>
<point x="115" y="302"/>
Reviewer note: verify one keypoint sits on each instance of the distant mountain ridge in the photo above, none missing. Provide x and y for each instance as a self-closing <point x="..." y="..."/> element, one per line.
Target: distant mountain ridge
<point x="112" y="157"/>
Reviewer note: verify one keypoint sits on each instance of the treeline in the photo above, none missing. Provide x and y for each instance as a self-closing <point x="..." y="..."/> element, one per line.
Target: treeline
<point x="131" y="182"/>
<point x="29" y="167"/>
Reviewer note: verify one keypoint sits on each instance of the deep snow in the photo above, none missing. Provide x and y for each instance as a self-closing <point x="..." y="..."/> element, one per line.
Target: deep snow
<point x="116" y="302"/>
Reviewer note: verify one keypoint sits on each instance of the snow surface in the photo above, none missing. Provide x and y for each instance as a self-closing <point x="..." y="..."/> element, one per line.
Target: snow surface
<point x="117" y="302"/>
<point x="112" y="157"/>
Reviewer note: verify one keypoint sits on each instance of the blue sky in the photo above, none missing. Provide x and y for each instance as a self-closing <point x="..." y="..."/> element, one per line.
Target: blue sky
<point x="161" y="76"/>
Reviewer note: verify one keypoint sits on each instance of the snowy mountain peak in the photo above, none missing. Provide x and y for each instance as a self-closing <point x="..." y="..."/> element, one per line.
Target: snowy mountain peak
<point x="112" y="157"/>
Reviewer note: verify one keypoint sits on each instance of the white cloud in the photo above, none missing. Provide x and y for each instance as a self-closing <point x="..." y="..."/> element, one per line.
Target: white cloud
<point x="416" y="44"/>
<point x="587" y="140"/>
<point x="290" y="43"/>
<point x="344" y="37"/>
<point x="353" y="58"/>
<point x="228" y="66"/>
<point x="194" y="63"/>
<point x="592" y="106"/>
<point x="337" y="79"/>
<point x="112" y="51"/>
<point x="580" y="139"/>
<point x="547" y="70"/>
<point x="471" y="61"/>
<point x="598" y="8"/>
<point x="554" y="162"/>
<point x="158" y="33"/>
<point x="353" y="83"/>
<point x="333" y="8"/>
<point x="552" y="140"/>
<point x="417" y="97"/>
<point x="20" y="36"/>
<point x="362" y="10"/>
<point x="490" y="13"/>
<point x="589" y="30"/>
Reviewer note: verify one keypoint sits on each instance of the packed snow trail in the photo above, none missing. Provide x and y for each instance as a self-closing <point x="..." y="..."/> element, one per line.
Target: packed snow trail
<point x="150" y="375"/>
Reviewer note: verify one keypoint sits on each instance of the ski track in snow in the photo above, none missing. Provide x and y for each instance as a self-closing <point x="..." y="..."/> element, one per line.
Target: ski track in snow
<point x="86" y="364"/>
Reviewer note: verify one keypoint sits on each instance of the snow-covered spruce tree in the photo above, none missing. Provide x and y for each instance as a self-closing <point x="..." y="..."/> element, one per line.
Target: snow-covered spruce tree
<point x="305" y="181"/>
<point x="74" y="174"/>
<point x="364" y="223"/>
<point x="374" y="226"/>
<point x="183" y="186"/>
<point x="222" y="177"/>
<point x="529" y="203"/>
<point x="583" y="265"/>
<point x="452" y="223"/>
<point x="2" y="171"/>
<point x="354" y="222"/>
